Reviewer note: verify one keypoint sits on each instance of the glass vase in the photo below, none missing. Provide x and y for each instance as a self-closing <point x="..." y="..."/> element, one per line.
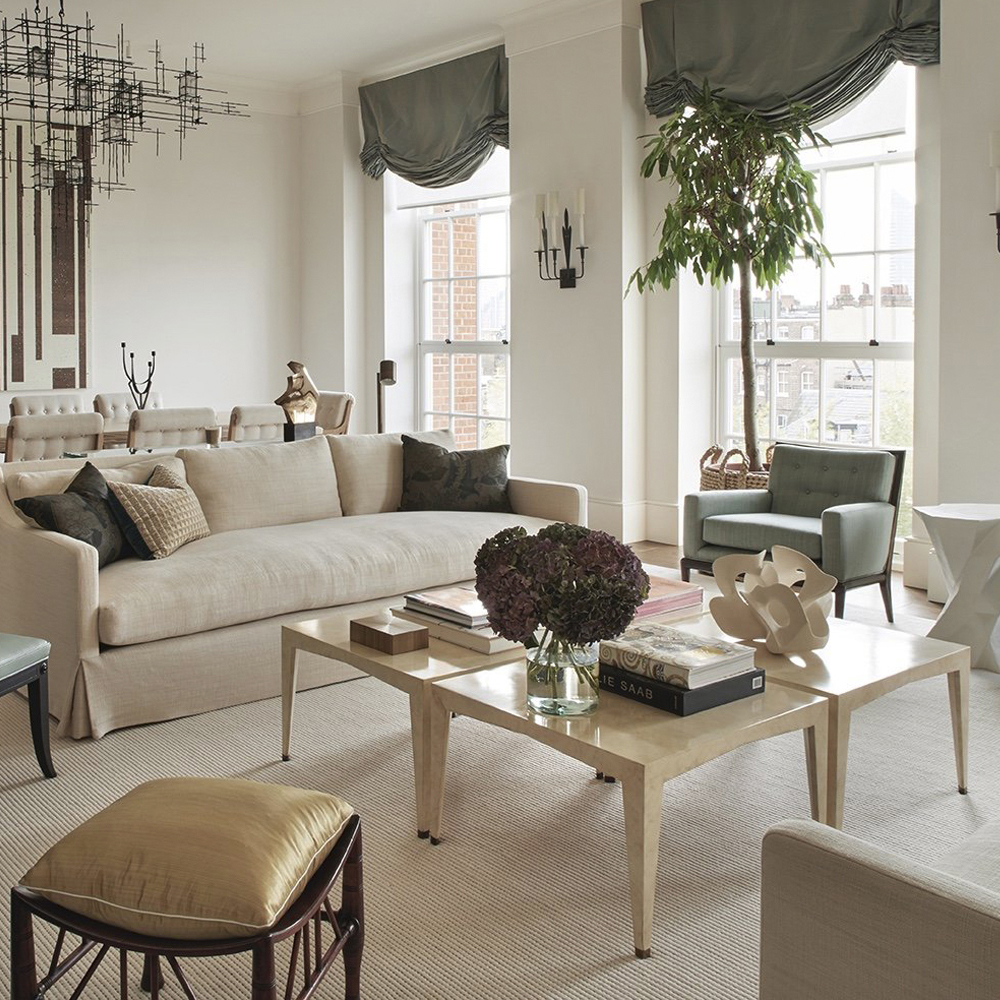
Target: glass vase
<point x="562" y="677"/>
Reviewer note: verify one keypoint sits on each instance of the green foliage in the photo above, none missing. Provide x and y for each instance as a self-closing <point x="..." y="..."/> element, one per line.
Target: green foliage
<point x="743" y="196"/>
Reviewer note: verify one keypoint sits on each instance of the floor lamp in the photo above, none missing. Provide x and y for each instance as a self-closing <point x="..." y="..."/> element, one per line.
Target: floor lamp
<point x="386" y="375"/>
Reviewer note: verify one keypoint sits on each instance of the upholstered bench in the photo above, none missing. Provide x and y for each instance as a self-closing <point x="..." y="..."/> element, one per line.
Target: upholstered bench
<point x="196" y="867"/>
<point x="24" y="662"/>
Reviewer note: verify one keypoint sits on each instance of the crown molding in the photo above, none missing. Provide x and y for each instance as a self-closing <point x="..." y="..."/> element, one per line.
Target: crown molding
<point x="334" y="91"/>
<point x="557" y="21"/>
<point x="261" y="97"/>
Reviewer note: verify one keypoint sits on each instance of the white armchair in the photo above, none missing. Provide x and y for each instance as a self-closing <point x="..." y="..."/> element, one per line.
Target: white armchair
<point x="48" y="404"/>
<point x="263" y="422"/>
<point x="117" y="408"/>
<point x="333" y="412"/>
<point x="170" y="428"/>
<point x="52" y="436"/>
<point x="842" y="919"/>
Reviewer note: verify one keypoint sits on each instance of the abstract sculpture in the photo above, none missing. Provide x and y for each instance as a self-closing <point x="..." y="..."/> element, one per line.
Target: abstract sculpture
<point x="299" y="401"/>
<point x="791" y="619"/>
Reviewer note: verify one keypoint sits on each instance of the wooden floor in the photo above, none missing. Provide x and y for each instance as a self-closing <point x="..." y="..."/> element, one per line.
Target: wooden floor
<point x="864" y="604"/>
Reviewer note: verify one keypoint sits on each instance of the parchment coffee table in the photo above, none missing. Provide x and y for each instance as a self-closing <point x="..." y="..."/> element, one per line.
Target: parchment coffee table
<point x="642" y="746"/>
<point x="859" y="664"/>
<point x="413" y="673"/>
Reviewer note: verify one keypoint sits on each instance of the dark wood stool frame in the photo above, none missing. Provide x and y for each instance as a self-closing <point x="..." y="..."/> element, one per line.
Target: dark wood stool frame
<point x="312" y="906"/>
<point x="36" y="678"/>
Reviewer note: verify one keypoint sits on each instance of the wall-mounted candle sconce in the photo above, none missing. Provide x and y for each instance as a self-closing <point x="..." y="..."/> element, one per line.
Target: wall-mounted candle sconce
<point x="995" y="163"/>
<point x="547" y="211"/>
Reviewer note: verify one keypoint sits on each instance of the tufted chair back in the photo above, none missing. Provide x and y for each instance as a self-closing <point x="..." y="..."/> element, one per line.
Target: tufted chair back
<point x="47" y="405"/>
<point x="170" y="428"/>
<point x="118" y="407"/>
<point x="806" y="481"/>
<point x="262" y="422"/>
<point x="52" y="435"/>
<point x="333" y="413"/>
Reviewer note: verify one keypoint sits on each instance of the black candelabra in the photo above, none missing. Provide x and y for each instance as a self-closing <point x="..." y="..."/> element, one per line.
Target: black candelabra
<point x="139" y="389"/>
<point x="567" y="275"/>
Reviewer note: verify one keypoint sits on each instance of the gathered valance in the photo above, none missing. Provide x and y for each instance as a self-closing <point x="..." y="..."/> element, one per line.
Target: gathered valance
<point x="439" y="125"/>
<point x="768" y="54"/>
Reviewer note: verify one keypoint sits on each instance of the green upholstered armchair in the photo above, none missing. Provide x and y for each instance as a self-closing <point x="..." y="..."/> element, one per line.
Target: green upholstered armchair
<point x="837" y="506"/>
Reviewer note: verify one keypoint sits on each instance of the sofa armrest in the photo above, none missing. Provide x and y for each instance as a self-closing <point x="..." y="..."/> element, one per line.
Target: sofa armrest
<point x="553" y="501"/>
<point x="698" y="506"/>
<point x="50" y="590"/>
<point x="856" y="539"/>
<point x="841" y="918"/>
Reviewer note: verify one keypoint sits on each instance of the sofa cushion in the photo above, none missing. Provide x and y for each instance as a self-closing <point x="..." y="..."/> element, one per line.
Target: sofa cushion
<point x="435" y="478"/>
<point x="805" y="481"/>
<point x="264" y="485"/>
<point x="244" y="576"/>
<point x="370" y="468"/>
<point x="157" y="517"/>
<point x="754" y="532"/>
<point x="193" y="858"/>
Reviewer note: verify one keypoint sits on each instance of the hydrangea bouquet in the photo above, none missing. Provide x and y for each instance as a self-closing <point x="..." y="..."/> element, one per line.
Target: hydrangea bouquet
<point x="577" y="587"/>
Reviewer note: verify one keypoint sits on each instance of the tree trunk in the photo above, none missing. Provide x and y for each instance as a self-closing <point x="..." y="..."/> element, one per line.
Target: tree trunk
<point x="749" y="368"/>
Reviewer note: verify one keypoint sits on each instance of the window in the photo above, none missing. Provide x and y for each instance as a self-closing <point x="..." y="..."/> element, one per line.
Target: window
<point x="834" y="344"/>
<point x="464" y="327"/>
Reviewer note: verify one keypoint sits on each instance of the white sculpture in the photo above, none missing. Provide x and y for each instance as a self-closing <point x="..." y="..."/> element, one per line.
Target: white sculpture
<point x="789" y="619"/>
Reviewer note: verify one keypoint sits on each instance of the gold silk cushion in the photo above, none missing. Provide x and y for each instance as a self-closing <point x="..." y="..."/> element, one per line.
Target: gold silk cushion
<point x="193" y="858"/>
<point x="159" y="517"/>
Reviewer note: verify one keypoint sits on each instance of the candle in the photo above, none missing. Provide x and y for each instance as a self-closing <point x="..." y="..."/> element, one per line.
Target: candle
<point x="552" y="204"/>
<point x="581" y="240"/>
<point x="580" y="201"/>
<point x="995" y="162"/>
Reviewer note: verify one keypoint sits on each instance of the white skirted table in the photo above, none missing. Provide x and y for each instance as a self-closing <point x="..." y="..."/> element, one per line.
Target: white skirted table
<point x="966" y="537"/>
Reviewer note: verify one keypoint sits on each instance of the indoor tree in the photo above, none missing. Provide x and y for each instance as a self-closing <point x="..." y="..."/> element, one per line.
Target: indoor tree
<point x="744" y="204"/>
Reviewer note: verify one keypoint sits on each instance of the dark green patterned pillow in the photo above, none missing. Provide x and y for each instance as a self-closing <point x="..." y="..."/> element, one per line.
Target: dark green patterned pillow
<point x="437" y="479"/>
<point x="82" y="512"/>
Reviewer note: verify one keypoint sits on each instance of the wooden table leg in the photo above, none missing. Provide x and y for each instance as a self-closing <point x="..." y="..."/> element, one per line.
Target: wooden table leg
<point x="438" y="722"/>
<point x="289" y="678"/>
<point x="958" y="695"/>
<point x="836" y="762"/>
<point x="642" y="798"/>
<point x="816" y="738"/>
<point x="420" y="732"/>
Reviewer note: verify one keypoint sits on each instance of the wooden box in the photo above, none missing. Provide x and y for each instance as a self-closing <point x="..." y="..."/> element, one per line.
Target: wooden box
<point x="395" y="637"/>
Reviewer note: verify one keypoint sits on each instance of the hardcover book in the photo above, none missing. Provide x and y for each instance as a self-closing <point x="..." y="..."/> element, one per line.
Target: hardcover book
<point x="673" y="656"/>
<point x="678" y="700"/>
<point x="666" y="595"/>
<point x="455" y="604"/>
<point x="482" y="639"/>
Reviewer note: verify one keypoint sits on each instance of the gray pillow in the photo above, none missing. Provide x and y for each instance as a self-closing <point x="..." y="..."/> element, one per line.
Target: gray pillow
<point x="435" y="478"/>
<point x="81" y="511"/>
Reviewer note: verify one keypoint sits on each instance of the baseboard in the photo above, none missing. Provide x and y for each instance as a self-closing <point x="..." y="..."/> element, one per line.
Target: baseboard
<point x="663" y="522"/>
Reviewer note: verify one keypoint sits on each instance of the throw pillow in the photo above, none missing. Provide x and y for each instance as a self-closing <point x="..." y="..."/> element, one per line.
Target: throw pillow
<point x="159" y="517"/>
<point x="83" y="512"/>
<point x="435" y="478"/>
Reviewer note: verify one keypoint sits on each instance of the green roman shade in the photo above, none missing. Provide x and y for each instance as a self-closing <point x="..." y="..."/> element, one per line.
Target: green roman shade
<point x="439" y="125"/>
<point x="768" y="54"/>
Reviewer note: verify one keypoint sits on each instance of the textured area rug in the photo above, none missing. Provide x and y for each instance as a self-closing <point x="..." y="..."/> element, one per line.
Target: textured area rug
<point x="527" y="895"/>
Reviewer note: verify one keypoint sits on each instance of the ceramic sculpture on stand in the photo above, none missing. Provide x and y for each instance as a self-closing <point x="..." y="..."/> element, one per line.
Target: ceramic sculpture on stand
<point x="790" y="619"/>
<point x="299" y="401"/>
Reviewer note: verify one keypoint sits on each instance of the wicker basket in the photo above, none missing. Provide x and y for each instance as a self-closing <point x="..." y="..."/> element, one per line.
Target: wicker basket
<point x="718" y="473"/>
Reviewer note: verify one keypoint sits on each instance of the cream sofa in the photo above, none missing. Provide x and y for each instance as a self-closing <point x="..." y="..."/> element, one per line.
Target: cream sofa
<point x="297" y="530"/>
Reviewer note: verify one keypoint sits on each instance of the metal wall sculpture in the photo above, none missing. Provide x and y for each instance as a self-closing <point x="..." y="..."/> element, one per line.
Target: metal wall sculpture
<point x="71" y="110"/>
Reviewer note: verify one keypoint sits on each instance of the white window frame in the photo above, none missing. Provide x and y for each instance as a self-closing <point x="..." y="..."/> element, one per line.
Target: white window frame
<point x="822" y="350"/>
<point x="426" y="346"/>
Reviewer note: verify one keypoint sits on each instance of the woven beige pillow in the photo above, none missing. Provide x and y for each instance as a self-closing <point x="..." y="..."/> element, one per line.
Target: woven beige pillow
<point x="159" y="517"/>
<point x="193" y="858"/>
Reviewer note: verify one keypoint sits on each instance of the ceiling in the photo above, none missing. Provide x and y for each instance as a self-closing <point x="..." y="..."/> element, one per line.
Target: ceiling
<point x="287" y="43"/>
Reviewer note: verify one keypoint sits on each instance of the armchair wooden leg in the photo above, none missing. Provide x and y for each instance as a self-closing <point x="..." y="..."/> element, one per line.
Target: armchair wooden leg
<point x="886" y="587"/>
<point x="685" y="571"/>
<point x="23" y="978"/>
<point x="839" y="593"/>
<point x="353" y="909"/>
<point x="38" y="710"/>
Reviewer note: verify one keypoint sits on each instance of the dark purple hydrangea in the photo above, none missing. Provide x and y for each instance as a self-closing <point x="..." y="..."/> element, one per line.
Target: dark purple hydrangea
<point x="582" y="585"/>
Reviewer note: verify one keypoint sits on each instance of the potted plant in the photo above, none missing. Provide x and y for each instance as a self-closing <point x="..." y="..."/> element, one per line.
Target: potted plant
<point x="744" y="205"/>
<point x="576" y="586"/>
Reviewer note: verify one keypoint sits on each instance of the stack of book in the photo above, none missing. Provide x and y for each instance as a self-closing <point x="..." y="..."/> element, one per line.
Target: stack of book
<point x="668" y="596"/>
<point x="677" y="671"/>
<point x="454" y="614"/>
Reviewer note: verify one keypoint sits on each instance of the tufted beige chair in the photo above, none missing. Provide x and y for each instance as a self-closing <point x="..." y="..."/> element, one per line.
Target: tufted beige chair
<point x="333" y="412"/>
<point x="118" y="407"/>
<point x="169" y="428"/>
<point x="49" y="404"/>
<point x="52" y="435"/>
<point x="262" y="422"/>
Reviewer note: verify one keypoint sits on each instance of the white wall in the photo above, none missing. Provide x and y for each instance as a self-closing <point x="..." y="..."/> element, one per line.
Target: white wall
<point x="200" y="263"/>
<point x="970" y="264"/>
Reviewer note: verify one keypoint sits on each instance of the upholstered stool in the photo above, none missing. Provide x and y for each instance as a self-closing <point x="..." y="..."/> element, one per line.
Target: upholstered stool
<point x="24" y="662"/>
<point x="195" y="867"/>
